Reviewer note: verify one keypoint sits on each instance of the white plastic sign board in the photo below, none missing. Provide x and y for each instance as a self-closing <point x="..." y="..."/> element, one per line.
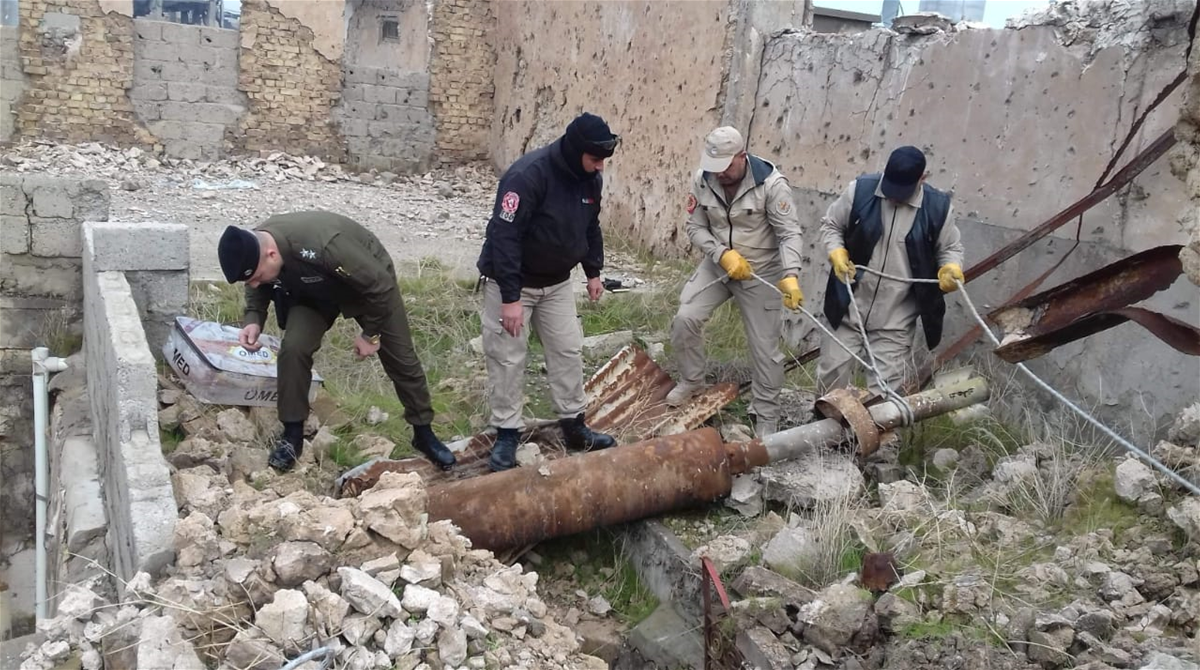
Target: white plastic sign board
<point x="216" y="370"/>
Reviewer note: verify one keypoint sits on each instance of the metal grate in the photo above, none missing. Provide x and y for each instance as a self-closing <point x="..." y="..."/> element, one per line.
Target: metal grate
<point x="389" y="29"/>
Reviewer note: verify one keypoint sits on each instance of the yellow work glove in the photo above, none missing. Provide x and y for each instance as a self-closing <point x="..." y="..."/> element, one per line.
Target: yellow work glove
<point x="792" y="297"/>
<point x="947" y="276"/>
<point x="843" y="269"/>
<point x="735" y="265"/>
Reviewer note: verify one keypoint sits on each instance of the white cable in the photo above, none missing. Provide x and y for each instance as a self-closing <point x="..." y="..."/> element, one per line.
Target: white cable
<point x="1128" y="446"/>
<point x="907" y="416"/>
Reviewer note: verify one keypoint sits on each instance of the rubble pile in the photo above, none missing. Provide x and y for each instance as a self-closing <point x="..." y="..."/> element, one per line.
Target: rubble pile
<point x="133" y="166"/>
<point x="266" y="571"/>
<point x="980" y="579"/>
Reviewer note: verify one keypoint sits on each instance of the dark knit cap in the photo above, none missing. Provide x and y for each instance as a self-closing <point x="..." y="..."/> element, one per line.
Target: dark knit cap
<point x="238" y="253"/>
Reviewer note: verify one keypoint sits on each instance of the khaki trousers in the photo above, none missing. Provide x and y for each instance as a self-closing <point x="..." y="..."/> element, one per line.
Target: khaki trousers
<point x="306" y="328"/>
<point x="760" y="307"/>
<point x="893" y="351"/>
<point x="551" y="312"/>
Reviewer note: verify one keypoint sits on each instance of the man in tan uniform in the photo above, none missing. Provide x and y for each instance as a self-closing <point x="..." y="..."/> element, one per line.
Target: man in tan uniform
<point x="900" y="225"/>
<point x="742" y="218"/>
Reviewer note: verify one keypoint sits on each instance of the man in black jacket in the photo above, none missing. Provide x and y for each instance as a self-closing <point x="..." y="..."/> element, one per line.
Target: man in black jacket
<point x="545" y="221"/>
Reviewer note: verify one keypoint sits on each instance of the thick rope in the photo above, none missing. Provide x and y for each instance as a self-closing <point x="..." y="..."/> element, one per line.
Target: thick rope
<point x="906" y="411"/>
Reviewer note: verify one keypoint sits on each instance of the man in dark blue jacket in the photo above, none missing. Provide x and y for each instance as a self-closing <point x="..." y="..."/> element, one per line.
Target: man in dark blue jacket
<point x="546" y="220"/>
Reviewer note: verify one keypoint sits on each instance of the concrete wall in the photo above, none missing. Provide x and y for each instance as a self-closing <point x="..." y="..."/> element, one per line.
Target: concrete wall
<point x="385" y="120"/>
<point x="365" y="44"/>
<point x="653" y="70"/>
<point x="12" y="80"/>
<point x="185" y="86"/>
<point x="41" y="296"/>
<point x="123" y="388"/>
<point x="463" y="74"/>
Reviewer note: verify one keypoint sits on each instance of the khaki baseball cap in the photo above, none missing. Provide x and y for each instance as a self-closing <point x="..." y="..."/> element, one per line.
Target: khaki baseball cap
<point x="720" y="147"/>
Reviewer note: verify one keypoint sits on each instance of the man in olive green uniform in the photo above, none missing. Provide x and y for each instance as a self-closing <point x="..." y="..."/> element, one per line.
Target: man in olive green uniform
<point x="742" y="218"/>
<point x="316" y="266"/>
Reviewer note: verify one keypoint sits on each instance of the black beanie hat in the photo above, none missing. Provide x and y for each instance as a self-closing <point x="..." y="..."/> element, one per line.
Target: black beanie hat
<point x="238" y="253"/>
<point x="587" y="133"/>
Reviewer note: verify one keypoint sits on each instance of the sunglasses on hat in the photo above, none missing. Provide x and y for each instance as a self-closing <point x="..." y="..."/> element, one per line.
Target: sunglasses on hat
<point x="608" y="145"/>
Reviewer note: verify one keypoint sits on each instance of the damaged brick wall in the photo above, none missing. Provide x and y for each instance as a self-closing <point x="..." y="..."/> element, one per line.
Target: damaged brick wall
<point x="462" y="89"/>
<point x="78" y="61"/>
<point x="185" y="86"/>
<point x="12" y="80"/>
<point x="291" y="87"/>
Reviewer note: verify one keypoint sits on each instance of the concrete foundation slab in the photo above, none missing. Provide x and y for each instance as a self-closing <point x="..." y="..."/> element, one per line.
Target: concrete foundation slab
<point x="666" y="639"/>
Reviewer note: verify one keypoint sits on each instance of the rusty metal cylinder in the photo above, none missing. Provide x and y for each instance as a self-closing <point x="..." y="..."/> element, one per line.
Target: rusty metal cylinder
<point x="572" y="495"/>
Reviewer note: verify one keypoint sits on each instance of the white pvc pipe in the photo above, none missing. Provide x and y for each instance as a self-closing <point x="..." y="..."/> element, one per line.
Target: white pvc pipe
<point x="43" y="365"/>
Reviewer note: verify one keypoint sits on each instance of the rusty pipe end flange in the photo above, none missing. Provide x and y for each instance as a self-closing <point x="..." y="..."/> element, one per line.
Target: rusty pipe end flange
<point x="846" y="405"/>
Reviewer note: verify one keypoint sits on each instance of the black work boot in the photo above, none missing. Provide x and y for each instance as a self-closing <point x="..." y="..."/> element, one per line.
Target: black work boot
<point x="581" y="438"/>
<point x="504" y="451"/>
<point x="428" y="444"/>
<point x="285" y="454"/>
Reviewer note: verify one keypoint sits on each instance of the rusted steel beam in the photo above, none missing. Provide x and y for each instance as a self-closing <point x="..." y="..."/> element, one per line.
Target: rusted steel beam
<point x="572" y="495"/>
<point x="1089" y="304"/>
<point x="1143" y="160"/>
<point x="625" y="399"/>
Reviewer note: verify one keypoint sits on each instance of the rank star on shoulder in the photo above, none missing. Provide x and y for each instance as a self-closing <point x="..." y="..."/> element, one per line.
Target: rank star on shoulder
<point x="308" y="254"/>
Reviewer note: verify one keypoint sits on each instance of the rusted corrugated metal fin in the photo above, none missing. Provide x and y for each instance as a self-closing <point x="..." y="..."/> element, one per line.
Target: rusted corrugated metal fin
<point x="1089" y="304"/>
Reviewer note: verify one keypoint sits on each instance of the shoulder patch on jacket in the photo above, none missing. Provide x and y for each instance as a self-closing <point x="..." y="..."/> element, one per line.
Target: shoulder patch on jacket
<point x="691" y="203"/>
<point x="508" y="206"/>
<point x="783" y="206"/>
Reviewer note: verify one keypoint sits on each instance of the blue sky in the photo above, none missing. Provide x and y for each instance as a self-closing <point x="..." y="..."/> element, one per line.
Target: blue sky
<point x="994" y="13"/>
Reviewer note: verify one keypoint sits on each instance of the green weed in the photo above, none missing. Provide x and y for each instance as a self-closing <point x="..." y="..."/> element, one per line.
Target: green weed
<point x="596" y="564"/>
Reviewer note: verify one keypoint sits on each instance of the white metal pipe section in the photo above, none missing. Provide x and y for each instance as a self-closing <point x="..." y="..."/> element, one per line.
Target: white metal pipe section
<point x="43" y="365"/>
<point x="811" y="438"/>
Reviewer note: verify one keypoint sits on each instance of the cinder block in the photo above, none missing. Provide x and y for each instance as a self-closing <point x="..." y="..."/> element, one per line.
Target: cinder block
<point x="186" y="92"/>
<point x="353" y="127"/>
<point x="160" y="51"/>
<point x="196" y="53"/>
<point x="91" y="200"/>
<point x="219" y="38"/>
<point x="152" y="91"/>
<point x="226" y="95"/>
<point x="54" y="238"/>
<point x="167" y="130"/>
<point x="381" y="94"/>
<point x="180" y="148"/>
<point x="414" y="80"/>
<point x="147" y="110"/>
<point x="359" y="110"/>
<point x="123" y="247"/>
<point x="204" y="133"/>
<point x="49" y="196"/>
<point x="353" y="92"/>
<point x="159" y="291"/>
<point x="180" y="35"/>
<point x="146" y="29"/>
<point x="414" y="97"/>
<point x="12" y="196"/>
<point x="49" y="277"/>
<point x="14" y="234"/>
<point x="146" y="70"/>
<point x="361" y="74"/>
<point x="80" y="474"/>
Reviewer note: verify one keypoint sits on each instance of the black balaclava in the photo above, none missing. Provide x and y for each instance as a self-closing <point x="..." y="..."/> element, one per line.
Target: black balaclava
<point x="581" y="137"/>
